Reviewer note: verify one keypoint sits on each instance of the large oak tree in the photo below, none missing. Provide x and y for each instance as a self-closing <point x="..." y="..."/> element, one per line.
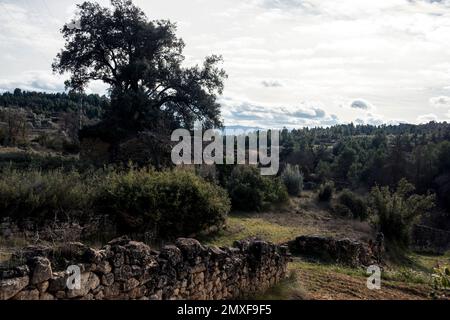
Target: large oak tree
<point x="142" y="62"/>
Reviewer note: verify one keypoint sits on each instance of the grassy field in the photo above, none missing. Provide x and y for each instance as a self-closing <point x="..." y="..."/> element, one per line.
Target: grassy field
<point x="408" y="279"/>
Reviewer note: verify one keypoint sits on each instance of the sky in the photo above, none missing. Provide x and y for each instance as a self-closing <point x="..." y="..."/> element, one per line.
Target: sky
<point x="291" y="63"/>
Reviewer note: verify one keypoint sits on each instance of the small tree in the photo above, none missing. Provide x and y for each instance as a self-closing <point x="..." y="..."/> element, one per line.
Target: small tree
<point x="16" y="126"/>
<point x="293" y="180"/>
<point x="397" y="212"/>
<point x="356" y="205"/>
<point x="326" y="192"/>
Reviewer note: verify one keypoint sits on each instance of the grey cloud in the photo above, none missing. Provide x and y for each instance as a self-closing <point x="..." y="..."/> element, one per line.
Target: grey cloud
<point x="360" y="104"/>
<point x="271" y="84"/>
<point x="441" y="101"/>
<point x="248" y="114"/>
<point x="34" y="81"/>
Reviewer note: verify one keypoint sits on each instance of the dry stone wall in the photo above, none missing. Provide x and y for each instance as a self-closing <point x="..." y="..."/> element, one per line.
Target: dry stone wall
<point x="344" y="251"/>
<point x="126" y="269"/>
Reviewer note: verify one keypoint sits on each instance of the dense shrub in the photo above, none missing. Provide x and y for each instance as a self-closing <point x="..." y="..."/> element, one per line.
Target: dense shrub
<point x="249" y="190"/>
<point x="168" y="204"/>
<point x="293" y="180"/>
<point x="397" y="212"/>
<point x="356" y="205"/>
<point x="44" y="195"/>
<point x="326" y="192"/>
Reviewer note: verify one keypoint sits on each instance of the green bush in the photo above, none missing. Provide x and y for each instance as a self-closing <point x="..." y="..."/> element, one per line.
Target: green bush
<point x="293" y="180"/>
<point x="397" y="212"/>
<point x="250" y="191"/>
<point x="342" y="211"/>
<point x="354" y="203"/>
<point x="44" y="195"/>
<point x="169" y="204"/>
<point x="326" y="191"/>
<point x="441" y="278"/>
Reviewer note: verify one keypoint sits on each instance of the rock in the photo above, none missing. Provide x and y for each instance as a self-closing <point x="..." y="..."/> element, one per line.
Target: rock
<point x="119" y="241"/>
<point x="89" y="281"/>
<point x="27" y="295"/>
<point x="42" y="270"/>
<point x="58" y="282"/>
<point x="130" y="284"/>
<point x="46" y="296"/>
<point x="190" y="248"/>
<point x="112" y="291"/>
<point x="15" y="272"/>
<point x="344" y="251"/>
<point x="104" y="267"/>
<point x="171" y="254"/>
<point x="10" y="287"/>
<point x="107" y="279"/>
<point x="43" y="286"/>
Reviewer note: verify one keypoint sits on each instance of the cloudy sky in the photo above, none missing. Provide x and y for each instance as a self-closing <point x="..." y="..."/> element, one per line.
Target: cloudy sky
<point x="291" y="63"/>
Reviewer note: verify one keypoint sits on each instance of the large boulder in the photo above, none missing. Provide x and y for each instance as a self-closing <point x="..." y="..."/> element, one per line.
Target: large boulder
<point x="42" y="270"/>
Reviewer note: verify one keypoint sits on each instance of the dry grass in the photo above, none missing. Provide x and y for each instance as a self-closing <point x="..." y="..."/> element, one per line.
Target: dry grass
<point x="332" y="282"/>
<point x="409" y="280"/>
<point x="303" y="216"/>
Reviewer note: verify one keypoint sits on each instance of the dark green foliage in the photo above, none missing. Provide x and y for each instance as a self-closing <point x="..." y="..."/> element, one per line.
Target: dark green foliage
<point x="249" y="190"/>
<point x="326" y="191"/>
<point x="33" y="194"/>
<point x="293" y="180"/>
<point x="167" y="204"/>
<point x="397" y="212"/>
<point x="49" y="103"/>
<point x="356" y="205"/>
<point x="342" y="211"/>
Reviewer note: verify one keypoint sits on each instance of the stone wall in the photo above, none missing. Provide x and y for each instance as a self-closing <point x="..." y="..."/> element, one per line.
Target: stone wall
<point x="344" y="251"/>
<point x="126" y="269"/>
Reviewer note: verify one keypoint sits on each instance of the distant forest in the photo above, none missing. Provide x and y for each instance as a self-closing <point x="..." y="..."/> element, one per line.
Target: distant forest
<point x="365" y="156"/>
<point x="47" y="103"/>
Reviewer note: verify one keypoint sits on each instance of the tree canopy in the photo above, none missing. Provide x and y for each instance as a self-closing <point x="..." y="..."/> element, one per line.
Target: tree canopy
<point x="142" y="62"/>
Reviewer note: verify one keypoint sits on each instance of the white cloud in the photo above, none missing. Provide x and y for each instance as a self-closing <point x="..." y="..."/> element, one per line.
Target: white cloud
<point x="425" y="118"/>
<point x="34" y="81"/>
<point x="448" y="114"/>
